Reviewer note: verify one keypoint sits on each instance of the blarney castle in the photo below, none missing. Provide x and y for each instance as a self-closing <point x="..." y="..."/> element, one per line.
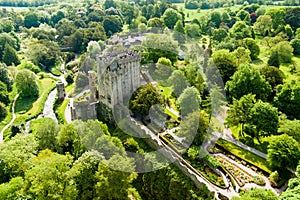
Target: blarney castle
<point x="117" y="77"/>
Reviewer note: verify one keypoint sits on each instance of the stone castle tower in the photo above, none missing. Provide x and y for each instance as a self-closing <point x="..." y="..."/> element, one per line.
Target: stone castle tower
<point x="118" y="77"/>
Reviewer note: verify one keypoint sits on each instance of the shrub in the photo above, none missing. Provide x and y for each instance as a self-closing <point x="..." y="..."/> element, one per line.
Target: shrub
<point x="3" y="111"/>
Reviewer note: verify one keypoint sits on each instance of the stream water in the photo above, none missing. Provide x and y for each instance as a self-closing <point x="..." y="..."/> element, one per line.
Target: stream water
<point x="47" y="112"/>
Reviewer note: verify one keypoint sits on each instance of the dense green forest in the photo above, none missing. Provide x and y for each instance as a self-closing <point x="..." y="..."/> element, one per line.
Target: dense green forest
<point x="254" y="45"/>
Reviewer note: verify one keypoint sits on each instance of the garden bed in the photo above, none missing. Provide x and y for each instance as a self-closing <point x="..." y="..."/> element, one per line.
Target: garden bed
<point x="250" y="160"/>
<point x="242" y="177"/>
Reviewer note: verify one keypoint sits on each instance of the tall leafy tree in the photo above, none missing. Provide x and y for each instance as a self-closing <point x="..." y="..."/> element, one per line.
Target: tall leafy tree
<point x="283" y="150"/>
<point x="291" y="128"/>
<point x="178" y="82"/>
<point x="17" y="152"/>
<point x="10" y="56"/>
<point x="248" y="80"/>
<point x="48" y="177"/>
<point x="239" y="112"/>
<point x="144" y="99"/>
<point x="26" y="83"/>
<point x="263" y="24"/>
<point x="46" y="134"/>
<point x="170" y="17"/>
<point x="225" y="62"/>
<point x="83" y="173"/>
<point x="189" y="101"/>
<point x="3" y="111"/>
<point x="265" y="119"/>
<point x="251" y="44"/>
<point x="4" y="76"/>
<point x="287" y="99"/>
<point x="4" y="98"/>
<point x="179" y="32"/>
<point x="31" y="20"/>
<point x="113" y="184"/>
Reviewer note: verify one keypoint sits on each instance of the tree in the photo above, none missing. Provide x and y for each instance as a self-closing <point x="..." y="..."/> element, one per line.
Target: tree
<point x="225" y="62"/>
<point x="291" y="128"/>
<point x="144" y="99"/>
<point x="48" y="177"/>
<point x="4" y="76"/>
<point x="248" y="80"/>
<point x="17" y="152"/>
<point x="287" y="99"/>
<point x="241" y="30"/>
<point x="277" y="15"/>
<point x="216" y="18"/>
<point x="189" y="101"/>
<point x="295" y="43"/>
<point x="3" y="110"/>
<point x="31" y="20"/>
<point x="178" y="33"/>
<point x="265" y="119"/>
<point x="282" y="53"/>
<point x="251" y="44"/>
<point x="44" y="53"/>
<point x="96" y="32"/>
<point x="110" y="4"/>
<point x="274" y="58"/>
<point x="74" y="42"/>
<point x="26" y="83"/>
<point x="219" y="34"/>
<point x="87" y="64"/>
<point x="4" y="96"/>
<point x="111" y="25"/>
<point x="113" y="184"/>
<point x="83" y="173"/>
<point x="194" y="127"/>
<point x="46" y="134"/>
<point x="9" y="56"/>
<point x="156" y="23"/>
<point x="292" y="17"/>
<point x="257" y="194"/>
<point x="273" y="75"/>
<point x="239" y="111"/>
<point x="93" y="49"/>
<point x="192" y="30"/>
<point x="160" y="45"/>
<point x="283" y="150"/>
<point x="242" y="55"/>
<point x="57" y="16"/>
<point x="263" y="24"/>
<point x="163" y="68"/>
<point x="178" y="82"/>
<point x="170" y="17"/>
<point x="69" y="140"/>
<point x="293" y="189"/>
<point x="11" y="189"/>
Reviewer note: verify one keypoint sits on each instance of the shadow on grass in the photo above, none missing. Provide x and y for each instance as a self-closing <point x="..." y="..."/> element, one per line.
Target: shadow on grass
<point x="24" y="104"/>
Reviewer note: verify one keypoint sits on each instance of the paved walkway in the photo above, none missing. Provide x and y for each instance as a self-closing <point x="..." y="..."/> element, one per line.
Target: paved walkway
<point x="229" y="193"/>
<point x="11" y="121"/>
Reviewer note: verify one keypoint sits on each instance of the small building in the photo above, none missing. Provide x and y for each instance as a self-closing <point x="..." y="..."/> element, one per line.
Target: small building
<point x="61" y="92"/>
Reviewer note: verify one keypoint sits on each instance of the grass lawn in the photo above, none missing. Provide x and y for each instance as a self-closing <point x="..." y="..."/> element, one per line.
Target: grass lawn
<point x="243" y="154"/>
<point x="30" y="108"/>
<point x="191" y="14"/>
<point x="60" y="111"/>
